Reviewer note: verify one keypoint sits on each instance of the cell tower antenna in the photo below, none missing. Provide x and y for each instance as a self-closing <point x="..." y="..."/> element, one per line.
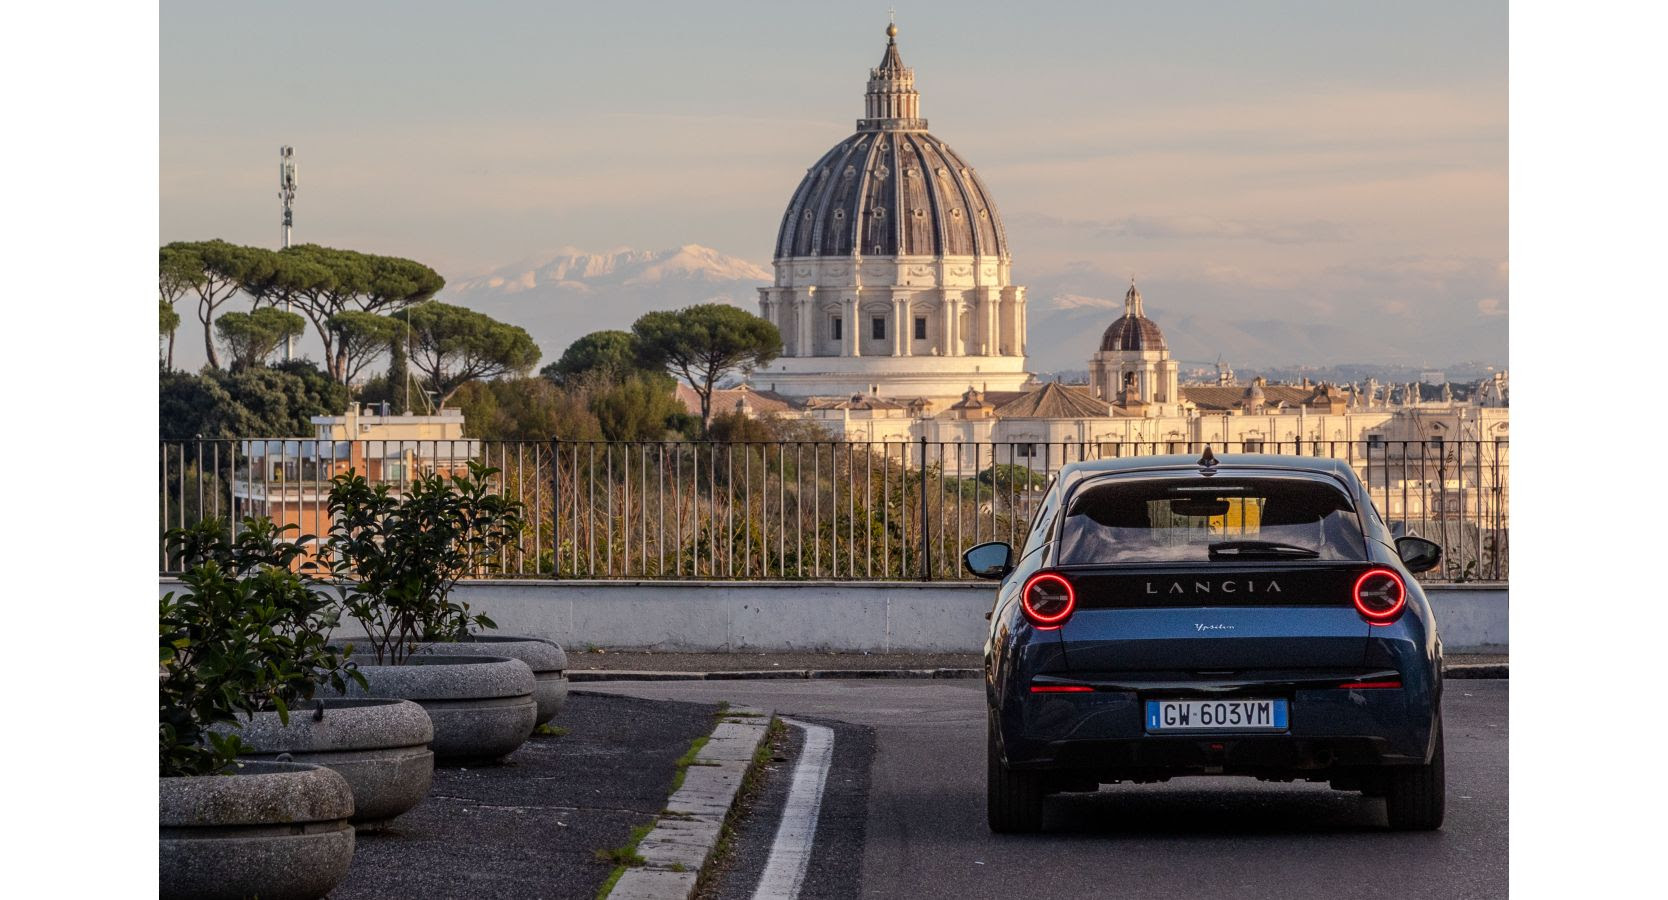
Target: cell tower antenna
<point x="286" y="192"/>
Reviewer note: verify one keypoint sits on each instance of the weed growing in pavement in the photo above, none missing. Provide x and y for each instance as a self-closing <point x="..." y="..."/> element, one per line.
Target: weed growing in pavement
<point x="549" y="730"/>
<point x="624" y="856"/>
<point x="687" y="760"/>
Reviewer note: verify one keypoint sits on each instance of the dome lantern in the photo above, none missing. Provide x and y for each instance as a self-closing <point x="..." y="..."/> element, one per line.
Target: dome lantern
<point x="891" y="102"/>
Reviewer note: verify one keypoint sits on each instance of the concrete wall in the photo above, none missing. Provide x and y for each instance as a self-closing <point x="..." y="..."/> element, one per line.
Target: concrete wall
<point x="875" y="616"/>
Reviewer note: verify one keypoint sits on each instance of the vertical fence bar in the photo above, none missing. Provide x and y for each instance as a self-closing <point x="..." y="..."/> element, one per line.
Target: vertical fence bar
<point x="904" y="546"/>
<point x="162" y="483"/>
<point x="747" y="512"/>
<point x="851" y="510"/>
<point x="926" y="527"/>
<point x="943" y="553"/>
<point x="869" y="507"/>
<point x="677" y="510"/>
<point x="782" y="510"/>
<point x="816" y="512"/>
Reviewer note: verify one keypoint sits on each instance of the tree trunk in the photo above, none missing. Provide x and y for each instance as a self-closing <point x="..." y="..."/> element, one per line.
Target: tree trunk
<point x="205" y="315"/>
<point x="171" y="349"/>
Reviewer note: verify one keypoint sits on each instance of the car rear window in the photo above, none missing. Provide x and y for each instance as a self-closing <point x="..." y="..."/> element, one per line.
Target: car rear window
<point x="1219" y="519"/>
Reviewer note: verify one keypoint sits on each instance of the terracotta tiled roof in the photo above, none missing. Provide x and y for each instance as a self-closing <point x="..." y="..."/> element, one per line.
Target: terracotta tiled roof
<point x="855" y="401"/>
<point x="1054" y="401"/>
<point x="724" y="400"/>
<point x="1225" y="397"/>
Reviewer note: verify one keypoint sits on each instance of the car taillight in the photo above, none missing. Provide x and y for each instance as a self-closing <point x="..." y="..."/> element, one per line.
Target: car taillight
<point x="1380" y="595"/>
<point x="1047" y="599"/>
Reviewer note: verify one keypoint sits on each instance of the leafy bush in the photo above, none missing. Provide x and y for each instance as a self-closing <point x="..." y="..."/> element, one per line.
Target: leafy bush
<point x="397" y="558"/>
<point x="249" y="633"/>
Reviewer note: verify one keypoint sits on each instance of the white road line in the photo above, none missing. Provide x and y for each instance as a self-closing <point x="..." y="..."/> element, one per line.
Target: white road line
<point x="790" y="854"/>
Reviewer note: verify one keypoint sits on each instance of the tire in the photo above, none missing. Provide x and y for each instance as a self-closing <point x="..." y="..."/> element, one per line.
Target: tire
<point x="1416" y="797"/>
<point x="1013" y="800"/>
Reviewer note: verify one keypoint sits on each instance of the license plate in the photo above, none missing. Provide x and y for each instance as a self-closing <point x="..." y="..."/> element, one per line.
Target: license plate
<point x="1216" y="715"/>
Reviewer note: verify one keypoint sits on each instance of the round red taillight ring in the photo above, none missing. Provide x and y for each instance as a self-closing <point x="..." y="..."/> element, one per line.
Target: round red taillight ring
<point x="1381" y="616"/>
<point x="1051" y="619"/>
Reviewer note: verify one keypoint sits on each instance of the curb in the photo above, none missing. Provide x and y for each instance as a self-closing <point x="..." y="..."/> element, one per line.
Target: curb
<point x="584" y="675"/>
<point x="1478" y="670"/>
<point x="1469" y="670"/>
<point x="688" y="829"/>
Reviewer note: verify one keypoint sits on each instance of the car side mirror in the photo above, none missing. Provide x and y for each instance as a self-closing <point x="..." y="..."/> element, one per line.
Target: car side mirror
<point x="989" y="560"/>
<point x="1418" y="554"/>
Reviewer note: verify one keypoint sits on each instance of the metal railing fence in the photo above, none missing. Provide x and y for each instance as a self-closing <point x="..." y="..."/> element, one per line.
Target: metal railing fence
<point x="798" y="509"/>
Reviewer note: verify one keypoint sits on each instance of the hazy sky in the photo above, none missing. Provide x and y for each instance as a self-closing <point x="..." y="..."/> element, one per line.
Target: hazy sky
<point x="1323" y="161"/>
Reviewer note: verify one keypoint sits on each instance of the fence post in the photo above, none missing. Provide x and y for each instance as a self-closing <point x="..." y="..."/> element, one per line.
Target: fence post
<point x="555" y="509"/>
<point x="926" y="521"/>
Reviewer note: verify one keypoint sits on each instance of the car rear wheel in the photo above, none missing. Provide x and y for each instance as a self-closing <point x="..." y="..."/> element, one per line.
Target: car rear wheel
<point x="1013" y="800"/>
<point x="1416" y="797"/>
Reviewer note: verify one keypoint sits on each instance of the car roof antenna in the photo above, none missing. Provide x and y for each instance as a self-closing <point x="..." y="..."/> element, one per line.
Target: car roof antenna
<point x="1207" y="460"/>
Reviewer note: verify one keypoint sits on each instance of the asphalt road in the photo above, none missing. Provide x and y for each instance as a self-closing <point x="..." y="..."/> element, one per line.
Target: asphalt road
<point x="921" y="830"/>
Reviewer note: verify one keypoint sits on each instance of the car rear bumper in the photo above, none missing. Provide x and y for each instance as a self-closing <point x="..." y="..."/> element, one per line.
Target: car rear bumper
<point x="1329" y="729"/>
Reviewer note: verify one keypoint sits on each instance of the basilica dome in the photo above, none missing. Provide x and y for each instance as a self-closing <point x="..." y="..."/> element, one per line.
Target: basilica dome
<point x="891" y="275"/>
<point x="892" y="188"/>
<point x="1133" y="330"/>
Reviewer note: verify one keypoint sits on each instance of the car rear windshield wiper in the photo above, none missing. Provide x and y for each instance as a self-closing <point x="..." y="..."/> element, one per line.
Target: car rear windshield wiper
<point x="1260" y="549"/>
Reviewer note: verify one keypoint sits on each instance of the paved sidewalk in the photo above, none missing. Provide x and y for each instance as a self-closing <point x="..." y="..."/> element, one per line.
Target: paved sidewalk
<point x="531" y="827"/>
<point x="643" y="660"/>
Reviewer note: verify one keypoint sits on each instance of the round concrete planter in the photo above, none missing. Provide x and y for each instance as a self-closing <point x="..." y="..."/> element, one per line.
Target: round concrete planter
<point x="481" y="706"/>
<point x="380" y="746"/>
<point x="278" y="831"/>
<point x="547" y="660"/>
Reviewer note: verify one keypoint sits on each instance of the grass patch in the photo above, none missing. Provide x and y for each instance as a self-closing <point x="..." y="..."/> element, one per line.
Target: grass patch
<point x="723" y="707"/>
<point x="623" y="857"/>
<point x="687" y="760"/>
<point x="549" y="730"/>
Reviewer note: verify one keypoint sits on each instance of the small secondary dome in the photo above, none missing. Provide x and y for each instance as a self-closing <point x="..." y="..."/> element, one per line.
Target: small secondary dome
<point x="1134" y="331"/>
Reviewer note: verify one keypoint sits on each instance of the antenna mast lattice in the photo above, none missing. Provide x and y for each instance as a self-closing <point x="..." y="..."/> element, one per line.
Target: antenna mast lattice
<point x="286" y="192"/>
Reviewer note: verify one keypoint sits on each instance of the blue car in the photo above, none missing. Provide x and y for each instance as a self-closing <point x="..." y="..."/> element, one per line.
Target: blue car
<point x="1250" y="615"/>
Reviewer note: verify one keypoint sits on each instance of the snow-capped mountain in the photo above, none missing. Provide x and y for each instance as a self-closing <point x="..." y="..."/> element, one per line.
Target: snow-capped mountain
<point x="572" y="292"/>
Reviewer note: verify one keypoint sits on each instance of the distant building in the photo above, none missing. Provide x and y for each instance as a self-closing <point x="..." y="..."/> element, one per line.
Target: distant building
<point x="288" y="479"/>
<point x="899" y="322"/>
<point x="892" y="266"/>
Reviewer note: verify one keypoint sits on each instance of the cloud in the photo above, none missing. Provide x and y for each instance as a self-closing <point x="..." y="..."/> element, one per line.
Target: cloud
<point x="1489" y="307"/>
<point x="1195" y="228"/>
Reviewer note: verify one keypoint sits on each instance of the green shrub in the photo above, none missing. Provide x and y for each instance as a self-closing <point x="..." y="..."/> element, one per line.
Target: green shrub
<point x="248" y="633"/>
<point x="396" y="558"/>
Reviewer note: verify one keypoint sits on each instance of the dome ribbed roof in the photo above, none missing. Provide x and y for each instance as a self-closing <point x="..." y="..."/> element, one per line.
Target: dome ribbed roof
<point x="891" y="189"/>
<point x="1134" y="331"/>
